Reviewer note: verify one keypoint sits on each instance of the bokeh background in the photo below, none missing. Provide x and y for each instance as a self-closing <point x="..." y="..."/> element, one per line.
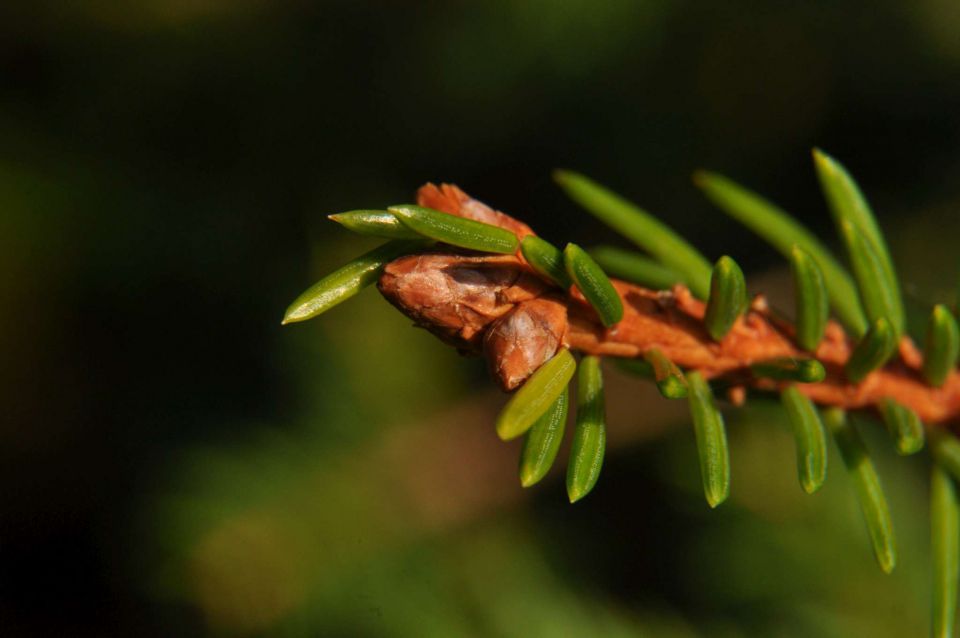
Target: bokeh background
<point x="174" y="463"/>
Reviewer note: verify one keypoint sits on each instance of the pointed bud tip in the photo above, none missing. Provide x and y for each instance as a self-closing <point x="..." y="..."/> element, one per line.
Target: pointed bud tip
<point x="527" y="479"/>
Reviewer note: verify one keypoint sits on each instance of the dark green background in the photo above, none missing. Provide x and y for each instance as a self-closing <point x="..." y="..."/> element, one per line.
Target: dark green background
<point x="175" y="463"/>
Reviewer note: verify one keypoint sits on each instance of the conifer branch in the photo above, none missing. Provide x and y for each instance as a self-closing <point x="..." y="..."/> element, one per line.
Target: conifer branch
<point x="483" y="282"/>
<point x="499" y="305"/>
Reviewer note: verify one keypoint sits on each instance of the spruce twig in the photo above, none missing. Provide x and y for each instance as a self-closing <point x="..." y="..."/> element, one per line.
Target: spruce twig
<point x="485" y="283"/>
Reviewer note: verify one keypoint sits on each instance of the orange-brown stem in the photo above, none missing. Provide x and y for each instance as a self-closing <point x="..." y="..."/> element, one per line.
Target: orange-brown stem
<point x="497" y="304"/>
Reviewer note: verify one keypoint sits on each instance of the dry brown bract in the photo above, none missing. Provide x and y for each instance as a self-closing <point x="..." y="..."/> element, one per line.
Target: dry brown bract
<point x="497" y="305"/>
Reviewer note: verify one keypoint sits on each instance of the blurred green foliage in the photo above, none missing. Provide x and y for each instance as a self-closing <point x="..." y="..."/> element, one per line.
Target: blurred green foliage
<point x="177" y="464"/>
